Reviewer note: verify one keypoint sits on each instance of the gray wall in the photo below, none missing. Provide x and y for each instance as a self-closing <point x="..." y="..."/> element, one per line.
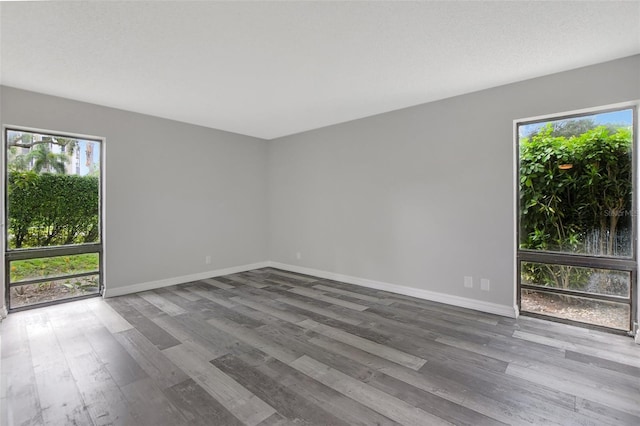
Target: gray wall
<point x="418" y="197"/>
<point x="174" y="192"/>
<point x="422" y="196"/>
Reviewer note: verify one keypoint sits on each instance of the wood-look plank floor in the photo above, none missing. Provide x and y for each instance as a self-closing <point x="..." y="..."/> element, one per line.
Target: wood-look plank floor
<point x="269" y="347"/>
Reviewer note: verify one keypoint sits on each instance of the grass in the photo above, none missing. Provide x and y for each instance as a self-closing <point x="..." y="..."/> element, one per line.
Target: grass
<point x="53" y="266"/>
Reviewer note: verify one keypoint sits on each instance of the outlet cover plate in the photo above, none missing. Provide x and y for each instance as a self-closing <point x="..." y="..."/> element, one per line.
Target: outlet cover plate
<point x="484" y="284"/>
<point x="468" y="282"/>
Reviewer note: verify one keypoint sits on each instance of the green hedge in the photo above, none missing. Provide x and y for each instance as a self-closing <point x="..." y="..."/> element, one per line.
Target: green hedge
<point x="52" y="209"/>
<point x="570" y="187"/>
<point x="575" y="196"/>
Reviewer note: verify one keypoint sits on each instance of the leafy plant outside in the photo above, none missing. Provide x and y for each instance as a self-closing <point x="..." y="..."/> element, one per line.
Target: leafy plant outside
<point x="575" y="197"/>
<point x="48" y="209"/>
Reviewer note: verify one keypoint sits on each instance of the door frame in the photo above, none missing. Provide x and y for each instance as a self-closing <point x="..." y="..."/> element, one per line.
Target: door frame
<point x="56" y="250"/>
<point x="623" y="264"/>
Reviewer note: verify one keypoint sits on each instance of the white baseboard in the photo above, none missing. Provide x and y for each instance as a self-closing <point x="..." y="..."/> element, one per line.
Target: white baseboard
<point x="463" y="302"/>
<point x="151" y="285"/>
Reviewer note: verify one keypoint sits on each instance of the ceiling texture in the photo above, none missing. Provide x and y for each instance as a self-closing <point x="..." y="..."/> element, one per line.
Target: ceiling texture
<point x="269" y="69"/>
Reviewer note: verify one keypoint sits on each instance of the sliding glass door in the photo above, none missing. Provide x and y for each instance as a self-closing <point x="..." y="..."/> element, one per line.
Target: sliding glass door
<point x="577" y="221"/>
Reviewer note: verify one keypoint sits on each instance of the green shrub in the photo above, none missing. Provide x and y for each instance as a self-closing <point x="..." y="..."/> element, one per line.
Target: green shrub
<point x="575" y="196"/>
<point x="52" y="209"/>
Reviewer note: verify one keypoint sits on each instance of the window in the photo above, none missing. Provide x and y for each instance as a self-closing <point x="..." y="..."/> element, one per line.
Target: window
<point x="53" y="240"/>
<point x="576" y="217"/>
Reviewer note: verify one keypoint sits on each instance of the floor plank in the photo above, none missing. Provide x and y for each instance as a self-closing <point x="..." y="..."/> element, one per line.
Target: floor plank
<point x="162" y="303"/>
<point x="198" y="406"/>
<point x="21" y="403"/>
<point x="243" y="404"/>
<point x="150" y="359"/>
<point x="60" y="399"/>
<point x="383" y="351"/>
<point x="150" y="406"/>
<point x="323" y="396"/>
<point x="368" y="396"/>
<point x="313" y="294"/>
<point x="216" y="283"/>
<point x="288" y="403"/>
<point x="105" y="401"/>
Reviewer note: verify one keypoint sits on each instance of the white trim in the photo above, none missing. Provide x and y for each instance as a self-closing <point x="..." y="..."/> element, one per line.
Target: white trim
<point x="103" y="212"/>
<point x="515" y="154"/>
<point x="53" y="132"/>
<point x="151" y="285"/>
<point x="463" y="302"/>
<point x="3" y="312"/>
<point x="582" y="111"/>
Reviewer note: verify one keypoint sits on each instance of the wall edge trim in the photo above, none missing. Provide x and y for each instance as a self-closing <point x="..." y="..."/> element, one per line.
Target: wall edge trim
<point x="152" y="285"/>
<point x="463" y="302"/>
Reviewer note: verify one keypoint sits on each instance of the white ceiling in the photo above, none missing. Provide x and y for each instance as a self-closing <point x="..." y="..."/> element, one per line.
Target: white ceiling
<point x="269" y="69"/>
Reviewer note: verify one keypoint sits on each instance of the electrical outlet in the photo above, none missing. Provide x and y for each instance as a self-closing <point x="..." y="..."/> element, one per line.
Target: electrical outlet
<point x="207" y="260"/>
<point x="484" y="284"/>
<point x="468" y="282"/>
<point x="298" y="256"/>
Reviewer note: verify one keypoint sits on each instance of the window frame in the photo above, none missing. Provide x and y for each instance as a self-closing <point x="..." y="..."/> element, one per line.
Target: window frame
<point x="626" y="264"/>
<point x="51" y="251"/>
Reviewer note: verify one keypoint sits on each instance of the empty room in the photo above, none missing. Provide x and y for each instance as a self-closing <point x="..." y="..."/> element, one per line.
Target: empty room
<point x="319" y="213"/>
